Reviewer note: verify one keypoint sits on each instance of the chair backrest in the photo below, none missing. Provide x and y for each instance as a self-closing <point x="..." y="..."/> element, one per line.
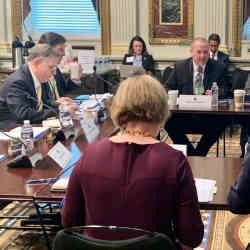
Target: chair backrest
<point x="72" y="238"/>
<point x="166" y="74"/>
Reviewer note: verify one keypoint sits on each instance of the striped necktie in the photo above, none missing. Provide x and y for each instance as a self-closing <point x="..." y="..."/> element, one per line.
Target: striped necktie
<point x="52" y="83"/>
<point x="39" y="97"/>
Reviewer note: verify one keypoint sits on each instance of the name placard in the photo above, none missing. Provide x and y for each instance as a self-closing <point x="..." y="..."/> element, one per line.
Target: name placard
<point x="195" y="101"/>
<point x="60" y="154"/>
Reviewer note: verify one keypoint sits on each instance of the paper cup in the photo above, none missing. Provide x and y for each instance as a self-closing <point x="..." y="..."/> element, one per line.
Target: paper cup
<point x="172" y="97"/>
<point x="239" y="95"/>
<point x="74" y="71"/>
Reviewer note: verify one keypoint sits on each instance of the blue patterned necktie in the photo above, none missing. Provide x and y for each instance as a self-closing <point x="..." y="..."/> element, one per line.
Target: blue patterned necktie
<point x="198" y="84"/>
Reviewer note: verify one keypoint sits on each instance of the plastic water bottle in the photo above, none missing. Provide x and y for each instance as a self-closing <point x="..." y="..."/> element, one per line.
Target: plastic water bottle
<point x="215" y="94"/>
<point x="27" y="137"/>
<point x="65" y="116"/>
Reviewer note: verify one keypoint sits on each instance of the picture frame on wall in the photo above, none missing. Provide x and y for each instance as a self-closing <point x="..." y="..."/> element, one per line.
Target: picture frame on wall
<point x="170" y="21"/>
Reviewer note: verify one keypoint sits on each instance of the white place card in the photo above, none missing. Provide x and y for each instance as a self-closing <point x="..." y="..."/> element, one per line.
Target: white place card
<point x="60" y="154"/>
<point x="195" y="101"/>
<point x="91" y="130"/>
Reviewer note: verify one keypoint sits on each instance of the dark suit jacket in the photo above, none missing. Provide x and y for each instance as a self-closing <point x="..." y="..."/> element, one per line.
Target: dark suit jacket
<point x="147" y="62"/>
<point x="64" y="86"/>
<point x="223" y="58"/>
<point x="182" y="77"/>
<point x="239" y="198"/>
<point x="15" y="104"/>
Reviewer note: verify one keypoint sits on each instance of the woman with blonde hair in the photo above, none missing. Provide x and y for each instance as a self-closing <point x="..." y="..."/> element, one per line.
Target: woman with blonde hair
<point x="132" y="179"/>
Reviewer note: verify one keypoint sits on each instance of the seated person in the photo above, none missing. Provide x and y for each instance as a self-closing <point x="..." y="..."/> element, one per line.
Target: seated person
<point x="138" y="55"/>
<point x="238" y="197"/>
<point x="201" y="70"/>
<point x="57" y="85"/>
<point x="21" y="95"/>
<point x="241" y="80"/>
<point x="136" y="180"/>
<point x="220" y="57"/>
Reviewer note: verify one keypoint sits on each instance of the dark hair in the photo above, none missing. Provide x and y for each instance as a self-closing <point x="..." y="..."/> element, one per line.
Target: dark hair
<point x="52" y="39"/>
<point x="139" y="39"/>
<point x="214" y="37"/>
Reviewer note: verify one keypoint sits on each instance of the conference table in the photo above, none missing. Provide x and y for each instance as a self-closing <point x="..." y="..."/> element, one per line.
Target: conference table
<point x="223" y="170"/>
<point x="204" y="121"/>
<point x="13" y="185"/>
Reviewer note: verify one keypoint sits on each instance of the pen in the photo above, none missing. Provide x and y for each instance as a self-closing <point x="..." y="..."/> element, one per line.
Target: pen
<point x="39" y="181"/>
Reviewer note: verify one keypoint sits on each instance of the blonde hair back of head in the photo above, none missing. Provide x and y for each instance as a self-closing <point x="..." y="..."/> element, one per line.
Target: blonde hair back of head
<point x="139" y="98"/>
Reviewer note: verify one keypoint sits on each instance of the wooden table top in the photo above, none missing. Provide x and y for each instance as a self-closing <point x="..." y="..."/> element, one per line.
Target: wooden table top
<point x="223" y="170"/>
<point x="13" y="180"/>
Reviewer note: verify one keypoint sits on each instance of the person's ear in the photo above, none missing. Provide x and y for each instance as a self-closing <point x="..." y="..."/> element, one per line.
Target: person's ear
<point x="37" y="61"/>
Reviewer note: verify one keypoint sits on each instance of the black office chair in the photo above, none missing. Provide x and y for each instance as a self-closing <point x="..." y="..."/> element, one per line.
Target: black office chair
<point x="72" y="238"/>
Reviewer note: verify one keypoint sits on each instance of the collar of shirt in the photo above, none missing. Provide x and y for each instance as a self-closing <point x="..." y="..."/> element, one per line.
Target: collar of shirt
<point x="35" y="80"/>
<point x="215" y="55"/>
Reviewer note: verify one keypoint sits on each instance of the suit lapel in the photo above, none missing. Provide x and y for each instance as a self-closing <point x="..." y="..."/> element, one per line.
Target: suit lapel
<point x="190" y="74"/>
<point x="30" y="80"/>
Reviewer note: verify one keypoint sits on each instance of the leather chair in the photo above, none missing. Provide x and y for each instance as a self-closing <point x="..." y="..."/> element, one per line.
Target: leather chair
<point x="72" y="238"/>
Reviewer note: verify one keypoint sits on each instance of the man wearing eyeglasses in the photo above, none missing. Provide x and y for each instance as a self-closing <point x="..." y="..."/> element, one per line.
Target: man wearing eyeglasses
<point x="57" y="85"/>
<point x="22" y="96"/>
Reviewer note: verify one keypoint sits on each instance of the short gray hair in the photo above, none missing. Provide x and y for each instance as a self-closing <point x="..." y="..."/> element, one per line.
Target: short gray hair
<point x="42" y="51"/>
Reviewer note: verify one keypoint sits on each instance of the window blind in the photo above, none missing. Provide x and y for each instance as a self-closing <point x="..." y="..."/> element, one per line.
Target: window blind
<point x="64" y="16"/>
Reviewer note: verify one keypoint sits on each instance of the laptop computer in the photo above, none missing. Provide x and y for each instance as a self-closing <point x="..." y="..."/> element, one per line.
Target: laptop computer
<point x="130" y="70"/>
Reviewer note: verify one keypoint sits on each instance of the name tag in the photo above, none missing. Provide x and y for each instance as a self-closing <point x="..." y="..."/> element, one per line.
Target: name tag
<point x="195" y="101"/>
<point x="91" y="130"/>
<point x="129" y="59"/>
<point x="60" y="154"/>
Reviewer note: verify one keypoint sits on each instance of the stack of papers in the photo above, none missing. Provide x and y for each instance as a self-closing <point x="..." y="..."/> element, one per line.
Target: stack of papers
<point x="205" y="189"/>
<point x="16" y="133"/>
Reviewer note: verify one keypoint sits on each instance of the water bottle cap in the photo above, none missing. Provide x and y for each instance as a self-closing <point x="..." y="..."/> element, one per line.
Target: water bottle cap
<point x="26" y="122"/>
<point x="214" y="84"/>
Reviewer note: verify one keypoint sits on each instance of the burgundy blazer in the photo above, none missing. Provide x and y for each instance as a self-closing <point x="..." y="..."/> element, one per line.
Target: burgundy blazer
<point x="145" y="186"/>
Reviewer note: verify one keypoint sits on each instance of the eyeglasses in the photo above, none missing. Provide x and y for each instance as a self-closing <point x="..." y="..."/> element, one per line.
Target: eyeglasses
<point x="52" y="68"/>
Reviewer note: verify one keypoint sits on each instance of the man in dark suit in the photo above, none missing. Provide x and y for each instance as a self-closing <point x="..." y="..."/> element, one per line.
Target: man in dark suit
<point x="183" y="78"/>
<point x="21" y="95"/>
<point x="214" y="53"/>
<point x="62" y="86"/>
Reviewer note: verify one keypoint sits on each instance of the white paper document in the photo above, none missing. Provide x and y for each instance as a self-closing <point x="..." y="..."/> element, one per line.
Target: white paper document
<point x="16" y="132"/>
<point x="205" y="189"/>
<point x="87" y="59"/>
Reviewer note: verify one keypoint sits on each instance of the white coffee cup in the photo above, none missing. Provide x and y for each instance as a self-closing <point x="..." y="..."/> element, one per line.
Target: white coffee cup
<point x="239" y="95"/>
<point x="74" y="71"/>
<point x="172" y="97"/>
